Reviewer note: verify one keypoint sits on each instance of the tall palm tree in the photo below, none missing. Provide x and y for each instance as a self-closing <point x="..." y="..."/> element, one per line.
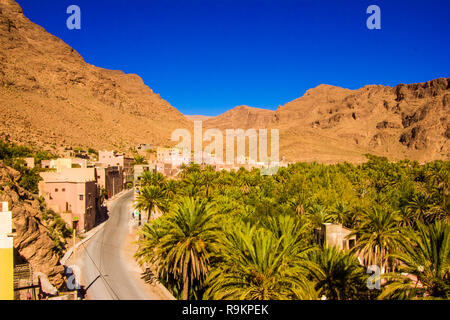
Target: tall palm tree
<point x="377" y="236"/>
<point x="256" y="266"/>
<point x="338" y="274"/>
<point x="190" y="234"/>
<point x="425" y="264"/>
<point x="151" y="198"/>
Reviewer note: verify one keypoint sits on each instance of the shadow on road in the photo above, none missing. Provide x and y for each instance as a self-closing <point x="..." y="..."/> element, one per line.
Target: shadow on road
<point x="103" y="215"/>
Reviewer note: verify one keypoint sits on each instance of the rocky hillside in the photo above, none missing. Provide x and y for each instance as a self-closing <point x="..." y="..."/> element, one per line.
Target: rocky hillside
<point x="333" y="124"/>
<point x="50" y="97"/>
<point x="34" y="242"/>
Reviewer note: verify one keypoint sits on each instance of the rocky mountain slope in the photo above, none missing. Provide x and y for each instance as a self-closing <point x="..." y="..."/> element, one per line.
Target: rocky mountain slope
<point x="50" y="97"/>
<point x="33" y="243"/>
<point x="331" y="124"/>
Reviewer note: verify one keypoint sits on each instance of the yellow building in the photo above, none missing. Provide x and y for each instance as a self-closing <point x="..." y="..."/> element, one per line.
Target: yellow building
<point x="6" y="254"/>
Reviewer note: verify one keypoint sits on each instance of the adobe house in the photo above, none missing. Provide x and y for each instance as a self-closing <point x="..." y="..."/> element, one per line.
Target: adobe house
<point x="64" y="163"/>
<point x="72" y="193"/>
<point x="114" y="159"/>
<point x="332" y="234"/>
<point x="110" y="178"/>
<point x="29" y="162"/>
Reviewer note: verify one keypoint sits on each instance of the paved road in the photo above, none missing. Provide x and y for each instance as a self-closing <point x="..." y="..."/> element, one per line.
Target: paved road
<point x="107" y="269"/>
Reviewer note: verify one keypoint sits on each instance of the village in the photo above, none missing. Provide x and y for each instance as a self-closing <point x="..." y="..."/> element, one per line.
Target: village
<point x="75" y="185"/>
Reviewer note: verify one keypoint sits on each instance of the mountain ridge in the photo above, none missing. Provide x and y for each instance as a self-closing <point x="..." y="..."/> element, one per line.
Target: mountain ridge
<point x="50" y="98"/>
<point x="405" y="121"/>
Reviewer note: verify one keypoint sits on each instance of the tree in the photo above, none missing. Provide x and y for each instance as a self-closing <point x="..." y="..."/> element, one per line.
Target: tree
<point x="149" y="178"/>
<point x="378" y="235"/>
<point x="138" y="159"/>
<point x="319" y="214"/>
<point x="151" y="198"/>
<point x="425" y="264"/>
<point x="337" y="274"/>
<point x="256" y="265"/>
<point x="185" y="248"/>
<point x="170" y="189"/>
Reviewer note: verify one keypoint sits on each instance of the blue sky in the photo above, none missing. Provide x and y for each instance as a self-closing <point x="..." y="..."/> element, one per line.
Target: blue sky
<point x="207" y="56"/>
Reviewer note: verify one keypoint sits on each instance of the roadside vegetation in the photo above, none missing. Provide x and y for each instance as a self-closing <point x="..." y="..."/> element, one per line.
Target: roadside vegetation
<point x="12" y="155"/>
<point x="240" y="235"/>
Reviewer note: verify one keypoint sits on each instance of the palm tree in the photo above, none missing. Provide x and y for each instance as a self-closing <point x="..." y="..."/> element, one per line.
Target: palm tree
<point x="193" y="182"/>
<point x="319" y="214"/>
<point x="425" y="264"/>
<point x="149" y="178"/>
<point x="208" y="183"/>
<point x="439" y="179"/>
<point x="255" y="265"/>
<point x="138" y="159"/>
<point x="378" y="234"/>
<point x="170" y="189"/>
<point x="151" y="198"/>
<point x="422" y="207"/>
<point x="338" y="274"/>
<point x="190" y="234"/>
<point x="341" y="211"/>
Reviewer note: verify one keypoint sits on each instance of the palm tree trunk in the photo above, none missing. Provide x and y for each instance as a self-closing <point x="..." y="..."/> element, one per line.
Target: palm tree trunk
<point x="185" y="292"/>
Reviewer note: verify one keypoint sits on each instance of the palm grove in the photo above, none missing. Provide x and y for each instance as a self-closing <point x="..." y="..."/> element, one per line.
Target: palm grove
<point x="241" y="235"/>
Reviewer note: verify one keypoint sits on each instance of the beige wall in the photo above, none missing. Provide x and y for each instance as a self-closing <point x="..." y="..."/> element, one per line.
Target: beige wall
<point x="335" y="235"/>
<point x="72" y="199"/>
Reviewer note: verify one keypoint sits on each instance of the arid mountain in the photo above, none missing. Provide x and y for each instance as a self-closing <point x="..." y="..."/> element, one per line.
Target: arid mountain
<point x="197" y="118"/>
<point x="49" y="96"/>
<point x="332" y="124"/>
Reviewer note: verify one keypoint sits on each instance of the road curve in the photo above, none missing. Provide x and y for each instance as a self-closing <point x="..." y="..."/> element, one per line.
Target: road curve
<point x="107" y="271"/>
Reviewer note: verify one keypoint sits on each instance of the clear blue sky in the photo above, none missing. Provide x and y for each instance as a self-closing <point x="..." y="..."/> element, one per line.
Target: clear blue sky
<point x="207" y="56"/>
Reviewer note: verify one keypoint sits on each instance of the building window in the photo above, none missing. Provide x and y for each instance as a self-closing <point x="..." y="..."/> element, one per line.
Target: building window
<point x="56" y="189"/>
<point x="351" y="243"/>
<point x="63" y="190"/>
<point x="81" y="197"/>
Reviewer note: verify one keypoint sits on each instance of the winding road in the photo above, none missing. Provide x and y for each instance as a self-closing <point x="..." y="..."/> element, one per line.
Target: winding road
<point x="108" y="270"/>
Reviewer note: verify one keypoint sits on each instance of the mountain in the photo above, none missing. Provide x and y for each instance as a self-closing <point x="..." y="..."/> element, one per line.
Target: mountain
<point x="197" y="118"/>
<point x="50" y="97"/>
<point x="332" y="124"/>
